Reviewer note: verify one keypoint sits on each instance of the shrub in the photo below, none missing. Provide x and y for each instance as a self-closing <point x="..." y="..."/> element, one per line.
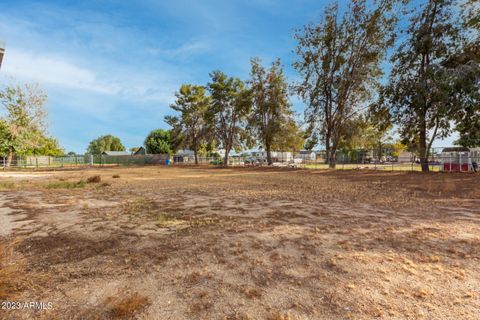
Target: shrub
<point x="94" y="179"/>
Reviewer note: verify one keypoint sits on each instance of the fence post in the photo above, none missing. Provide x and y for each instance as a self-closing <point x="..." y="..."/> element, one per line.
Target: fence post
<point x="36" y="162"/>
<point x="4" y="164"/>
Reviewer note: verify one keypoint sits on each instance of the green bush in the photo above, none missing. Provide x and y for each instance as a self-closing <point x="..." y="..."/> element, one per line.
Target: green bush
<point x="216" y="162"/>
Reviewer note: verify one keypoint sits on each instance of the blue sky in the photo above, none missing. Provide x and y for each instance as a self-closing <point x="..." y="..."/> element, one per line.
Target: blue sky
<point x="112" y="67"/>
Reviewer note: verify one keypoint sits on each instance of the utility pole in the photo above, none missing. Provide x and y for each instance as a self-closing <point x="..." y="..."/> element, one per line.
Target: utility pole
<point x="2" y="52"/>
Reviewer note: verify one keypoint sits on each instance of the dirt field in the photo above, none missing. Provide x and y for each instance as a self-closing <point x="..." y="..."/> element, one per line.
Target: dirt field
<point x="178" y="243"/>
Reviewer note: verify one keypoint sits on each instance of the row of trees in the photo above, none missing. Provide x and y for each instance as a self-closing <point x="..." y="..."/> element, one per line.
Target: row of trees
<point x="22" y="128"/>
<point x="236" y="114"/>
<point x="432" y="89"/>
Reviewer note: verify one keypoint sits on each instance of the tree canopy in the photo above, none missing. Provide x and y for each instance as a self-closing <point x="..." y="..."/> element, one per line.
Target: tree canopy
<point x="22" y="129"/>
<point x="191" y="126"/>
<point x="467" y="84"/>
<point x="339" y="63"/>
<point x="228" y="113"/>
<point x="159" y="141"/>
<point x="105" y="143"/>
<point x="429" y="87"/>
<point x="271" y="119"/>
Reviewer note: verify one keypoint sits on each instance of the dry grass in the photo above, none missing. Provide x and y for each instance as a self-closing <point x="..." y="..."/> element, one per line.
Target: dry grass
<point x="139" y="206"/>
<point x="10" y="272"/>
<point x="282" y="316"/>
<point x="164" y="220"/>
<point x="14" y="278"/>
<point x="254" y="244"/>
<point x="126" y="307"/>
<point x="7" y="185"/>
<point x="66" y="185"/>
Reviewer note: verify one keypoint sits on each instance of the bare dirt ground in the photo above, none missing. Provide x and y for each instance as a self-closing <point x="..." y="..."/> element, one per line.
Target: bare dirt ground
<point x="205" y="243"/>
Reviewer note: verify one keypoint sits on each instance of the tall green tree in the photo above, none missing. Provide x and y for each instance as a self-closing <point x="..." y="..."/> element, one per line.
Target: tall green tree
<point x="22" y="129"/>
<point x="467" y="79"/>
<point x="228" y="112"/>
<point x="426" y="90"/>
<point x="159" y="141"/>
<point x="191" y="125"/>
<point x="105" y="143"/>
<point x="271" y="115"/>
<point x="339" y="62"/>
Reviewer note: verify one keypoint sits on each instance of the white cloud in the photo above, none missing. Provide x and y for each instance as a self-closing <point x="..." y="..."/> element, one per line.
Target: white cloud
<point x="58" y="71"/>
<point x="52" y="70"/>
<point x="184" y="50"/>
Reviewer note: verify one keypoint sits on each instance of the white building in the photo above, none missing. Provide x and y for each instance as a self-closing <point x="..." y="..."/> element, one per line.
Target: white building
<point x="307" y="155"/>
<point x="277" y="156"/>
<point x="459" y="159"/>
<point x="185" y="153"/>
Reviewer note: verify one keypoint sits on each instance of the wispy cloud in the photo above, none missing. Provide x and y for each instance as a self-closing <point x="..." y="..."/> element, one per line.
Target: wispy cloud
<point x="53" y="70"/>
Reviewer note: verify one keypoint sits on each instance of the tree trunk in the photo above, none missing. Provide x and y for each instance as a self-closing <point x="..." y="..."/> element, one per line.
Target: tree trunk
<point x="332" y="161"/>
<point x="422" y="146"/>
<point x="9" y="157"/>
<point x="196" y="155"/>
<point x="269" y="154"/>
<point x="195" y="152"/>
<point x="327" y="148"/>
<point x="227" y="154"/>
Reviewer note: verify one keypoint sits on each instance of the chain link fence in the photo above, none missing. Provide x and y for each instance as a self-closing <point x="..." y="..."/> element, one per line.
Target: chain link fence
<point x="81" y="161"/>
<point x="451" y="159"/>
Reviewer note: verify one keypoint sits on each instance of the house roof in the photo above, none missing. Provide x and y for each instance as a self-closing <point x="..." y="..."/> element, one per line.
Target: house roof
<point x="306" y="152"/>
<point x="184" y="153"/>
<point x="140" y="150"/>
<point x="116" y="153"/>
<point x="456" y="149"/>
